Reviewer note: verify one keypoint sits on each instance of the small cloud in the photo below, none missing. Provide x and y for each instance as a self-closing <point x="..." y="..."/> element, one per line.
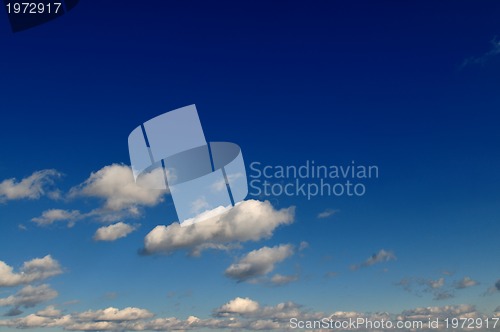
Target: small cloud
<point x="113" y="232"/>
<point x="465" y="282"/>
<point x="258" y="262"/>
<point x="481" y="60"/>
<point x="327" y="213"/>
<point x="444" y="295"/>
<point x="36" y="185"/>
<point x="239" y="305"/>
<point x="303" y="245"/>
<point x="379" y="257"/>
<point x="51" y="216"/>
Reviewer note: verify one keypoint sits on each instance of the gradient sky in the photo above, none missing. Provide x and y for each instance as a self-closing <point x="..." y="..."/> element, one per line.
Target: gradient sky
<point x="412" y="87"/>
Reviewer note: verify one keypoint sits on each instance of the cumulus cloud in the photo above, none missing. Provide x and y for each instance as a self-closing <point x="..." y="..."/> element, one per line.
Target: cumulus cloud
<point x="379" y="257"/>
<point x="51" y="216"/>
<point x="327" y="213"/>
<point x="36" y="185"/>
<point x="113" y="232"/>
<point x="465" y="282"/>
<point x="250" y="220"/>
<point x="258" y="262"/>
<point x="115" y="315"/>
<point x="116" y="186"/>
<point x="240" y="306"/>
<point x="29" y="296"/>
<point x="34" y="270"/>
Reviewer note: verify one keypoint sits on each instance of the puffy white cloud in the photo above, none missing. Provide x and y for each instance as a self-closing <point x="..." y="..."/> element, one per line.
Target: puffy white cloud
<point x="379" y="257"/>
<point x="114" y="314"/>
<point x="250" y="220"/>
<point x="34" y="270"/>
<point x="36" y="185"/>
<point x="116" y="186"/>
<point x="29" y="296"/>
<point x="239" y="306"/>
<point x="258" y="262"/>
<point x="465" y="282"/>
<point x="113" y="232"/>
<point x="51" y="216"/>
<point x="327" y="213"/>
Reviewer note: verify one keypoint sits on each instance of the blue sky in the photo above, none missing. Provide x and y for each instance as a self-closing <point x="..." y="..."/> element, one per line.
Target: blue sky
<point x="409" y="87"/>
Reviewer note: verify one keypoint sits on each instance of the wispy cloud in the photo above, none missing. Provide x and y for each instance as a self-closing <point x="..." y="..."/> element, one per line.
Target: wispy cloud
<point x="379" y="257"/>
<point x="114" y="232"/>
<point x="38" y="184"/>
<point x="327" y="213"/>
<point x="481" y="60"/>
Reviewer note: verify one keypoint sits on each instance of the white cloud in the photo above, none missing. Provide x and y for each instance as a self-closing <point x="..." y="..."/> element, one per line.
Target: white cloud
<point x="379" y="257"/>
<point x="36" y="185"/>
<point x="113" y="232"/>
<point x="238" y="306"/>
<point x="258" y="262"/>
<point x="465" y="282"/>
<point x="114" y="314"/>
<point x="327" y="213"/>
<point x="34" y="270"/>
<point x="248" y="221"/>
<point x="116" y="186"/>
<point x="51" y="216"/>
<point x="29" y="296"/>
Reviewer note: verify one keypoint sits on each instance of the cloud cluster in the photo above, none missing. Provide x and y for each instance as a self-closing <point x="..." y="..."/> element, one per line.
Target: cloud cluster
<point x="259" y="263"/>
<point x="438" y="287"/>
<point x="31" y="271"/>
<point x="36" y="185"/>
<point x="238" y="314"/>
<point x="249" y="220"/>
<point x="379" y="257"/>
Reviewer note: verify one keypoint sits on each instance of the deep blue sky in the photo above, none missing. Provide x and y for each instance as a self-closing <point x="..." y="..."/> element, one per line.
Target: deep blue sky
<point x="411" y="86"/>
